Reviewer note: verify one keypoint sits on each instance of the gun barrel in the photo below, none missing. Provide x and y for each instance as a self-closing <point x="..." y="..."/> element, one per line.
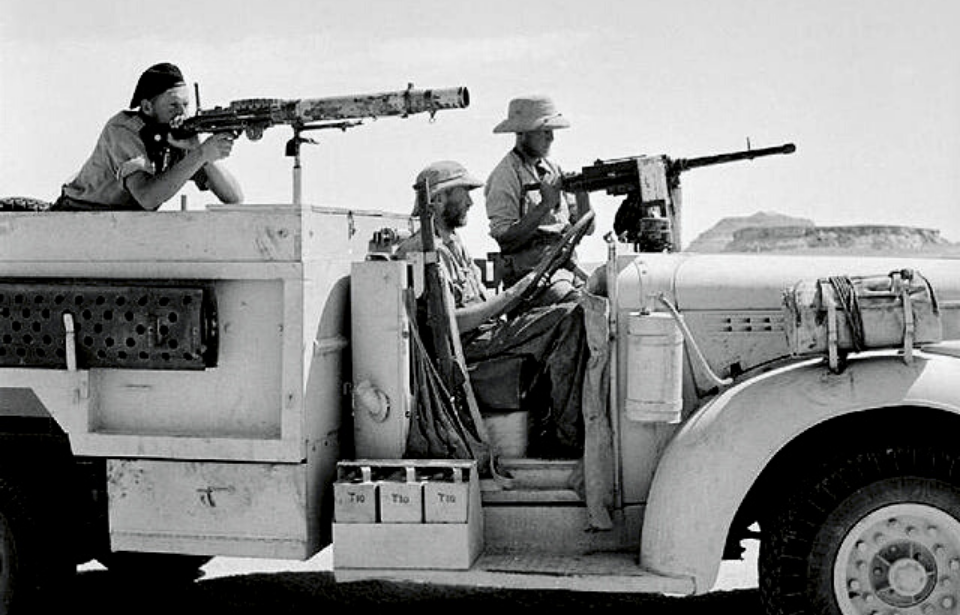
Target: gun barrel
<point x="399" y="102"/>
<point x="682" y="164"/>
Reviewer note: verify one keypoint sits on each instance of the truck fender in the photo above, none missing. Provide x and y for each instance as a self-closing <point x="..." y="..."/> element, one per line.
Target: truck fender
<point x="717" y="455"/>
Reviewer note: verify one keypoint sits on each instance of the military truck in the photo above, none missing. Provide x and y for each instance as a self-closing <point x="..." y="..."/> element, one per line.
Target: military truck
<point x="241" y="381"/>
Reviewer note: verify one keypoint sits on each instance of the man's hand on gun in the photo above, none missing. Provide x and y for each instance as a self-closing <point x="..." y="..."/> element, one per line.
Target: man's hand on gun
<point x="550" y="188"/>
<point x="217" y="146"/>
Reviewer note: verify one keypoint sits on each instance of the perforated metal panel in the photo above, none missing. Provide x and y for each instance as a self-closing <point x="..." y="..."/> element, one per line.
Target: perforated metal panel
<point x="132" y="325"/>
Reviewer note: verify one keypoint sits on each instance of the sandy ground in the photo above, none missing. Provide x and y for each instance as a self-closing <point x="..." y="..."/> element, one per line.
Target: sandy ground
<point x="232" y="586"/>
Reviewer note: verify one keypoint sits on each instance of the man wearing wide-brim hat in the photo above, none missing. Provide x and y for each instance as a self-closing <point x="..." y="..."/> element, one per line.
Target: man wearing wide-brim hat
<point x="526" y="223"/>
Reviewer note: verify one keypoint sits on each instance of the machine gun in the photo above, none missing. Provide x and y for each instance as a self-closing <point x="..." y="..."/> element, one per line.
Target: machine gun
<point x="649" y="216"/>
<point x="253" y="116"/>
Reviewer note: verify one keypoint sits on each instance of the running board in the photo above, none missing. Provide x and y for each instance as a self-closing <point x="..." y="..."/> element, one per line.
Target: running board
<point x="617" y="572"/>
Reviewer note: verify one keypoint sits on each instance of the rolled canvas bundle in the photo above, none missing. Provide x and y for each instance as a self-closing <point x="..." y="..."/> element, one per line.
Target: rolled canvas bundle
<point x="842" y="314"/>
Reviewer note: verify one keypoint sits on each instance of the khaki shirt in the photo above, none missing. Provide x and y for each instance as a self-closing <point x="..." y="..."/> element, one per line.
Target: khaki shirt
<point x="457" y="267"/>
<point x="120" y="151"/>
<point x="506" y="201"/>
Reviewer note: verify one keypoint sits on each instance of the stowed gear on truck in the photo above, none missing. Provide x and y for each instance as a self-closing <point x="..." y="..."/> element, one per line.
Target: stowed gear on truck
<point x="239" y="381"/>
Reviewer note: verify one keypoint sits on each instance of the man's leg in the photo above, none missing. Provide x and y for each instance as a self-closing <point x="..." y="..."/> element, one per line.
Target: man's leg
<point x="554" y="337"/>
<point x="561" y="434"/>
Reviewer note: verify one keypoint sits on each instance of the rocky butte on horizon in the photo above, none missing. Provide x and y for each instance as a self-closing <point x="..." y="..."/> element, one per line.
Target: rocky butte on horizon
<point x="774" y="232"/>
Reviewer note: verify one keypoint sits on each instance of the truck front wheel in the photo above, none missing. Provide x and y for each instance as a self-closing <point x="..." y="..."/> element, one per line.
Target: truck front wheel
<point x="878" y="533"/>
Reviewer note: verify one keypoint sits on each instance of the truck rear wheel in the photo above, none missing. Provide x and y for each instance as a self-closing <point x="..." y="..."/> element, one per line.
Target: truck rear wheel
<point x="33" y="570"/>
<point x="880" y="533"/>
<point x="9" y="567"/>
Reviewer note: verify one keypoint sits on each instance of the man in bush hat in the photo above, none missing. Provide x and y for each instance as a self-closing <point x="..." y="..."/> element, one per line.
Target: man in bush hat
<point x="526" y="223"/>
<point x="137" y="166"/>
<point x="552" y="336"/>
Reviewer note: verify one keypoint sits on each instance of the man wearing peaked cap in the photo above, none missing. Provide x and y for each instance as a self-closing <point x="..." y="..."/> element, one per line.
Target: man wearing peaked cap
<point x="136" y="166"/>
<point x="554" y="336"/>
<point x="526" y="223"/>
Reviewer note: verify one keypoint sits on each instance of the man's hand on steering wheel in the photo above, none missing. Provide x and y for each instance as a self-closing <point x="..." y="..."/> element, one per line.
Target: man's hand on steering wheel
<point x="558" y="255"/>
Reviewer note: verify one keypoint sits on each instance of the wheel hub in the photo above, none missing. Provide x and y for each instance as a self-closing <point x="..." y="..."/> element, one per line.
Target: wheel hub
<point x="908" y="578"/>
<point x="902" y="558"/>
<point x="903" y="573"/>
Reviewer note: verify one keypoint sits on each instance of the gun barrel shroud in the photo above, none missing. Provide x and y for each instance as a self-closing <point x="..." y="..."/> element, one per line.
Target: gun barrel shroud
<point x="402" y="102"/>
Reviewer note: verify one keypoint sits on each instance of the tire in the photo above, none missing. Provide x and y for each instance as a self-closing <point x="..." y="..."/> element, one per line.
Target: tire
<point x="878" y="533"/>
<point x="162" y="566"/>
<point x="9" y="566"/>
<point x="34" y="569"/>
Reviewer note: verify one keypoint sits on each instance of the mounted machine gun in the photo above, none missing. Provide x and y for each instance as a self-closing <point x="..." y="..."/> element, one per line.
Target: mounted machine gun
<point x="253" y="116"/>
<point x="649" y="216"/>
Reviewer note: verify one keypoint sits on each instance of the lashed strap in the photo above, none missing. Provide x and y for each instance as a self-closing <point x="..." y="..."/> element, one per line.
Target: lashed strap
<point x="827" y="297"/>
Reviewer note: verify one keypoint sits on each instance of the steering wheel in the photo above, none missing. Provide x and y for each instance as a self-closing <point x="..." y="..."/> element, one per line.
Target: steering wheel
<point x="559" y="254"/>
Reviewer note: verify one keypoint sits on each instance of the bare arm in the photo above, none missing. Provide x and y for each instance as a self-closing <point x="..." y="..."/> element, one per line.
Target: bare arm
<point x="472" y="316"/>
<point x="223" y="183"/>
<point x="152" y="191"/>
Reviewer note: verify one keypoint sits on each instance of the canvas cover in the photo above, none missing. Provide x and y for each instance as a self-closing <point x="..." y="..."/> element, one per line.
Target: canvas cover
<point x="855" y="313"/>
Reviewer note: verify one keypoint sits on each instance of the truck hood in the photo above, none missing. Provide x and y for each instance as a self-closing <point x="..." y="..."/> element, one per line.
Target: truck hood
<point x="757" y="281"/>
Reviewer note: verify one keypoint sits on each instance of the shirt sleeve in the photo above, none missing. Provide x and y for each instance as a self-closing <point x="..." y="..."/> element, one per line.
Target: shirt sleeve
<point x="502" y="195"/>
<point x="126" y="151"/>
<point x="475" y="273"/>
